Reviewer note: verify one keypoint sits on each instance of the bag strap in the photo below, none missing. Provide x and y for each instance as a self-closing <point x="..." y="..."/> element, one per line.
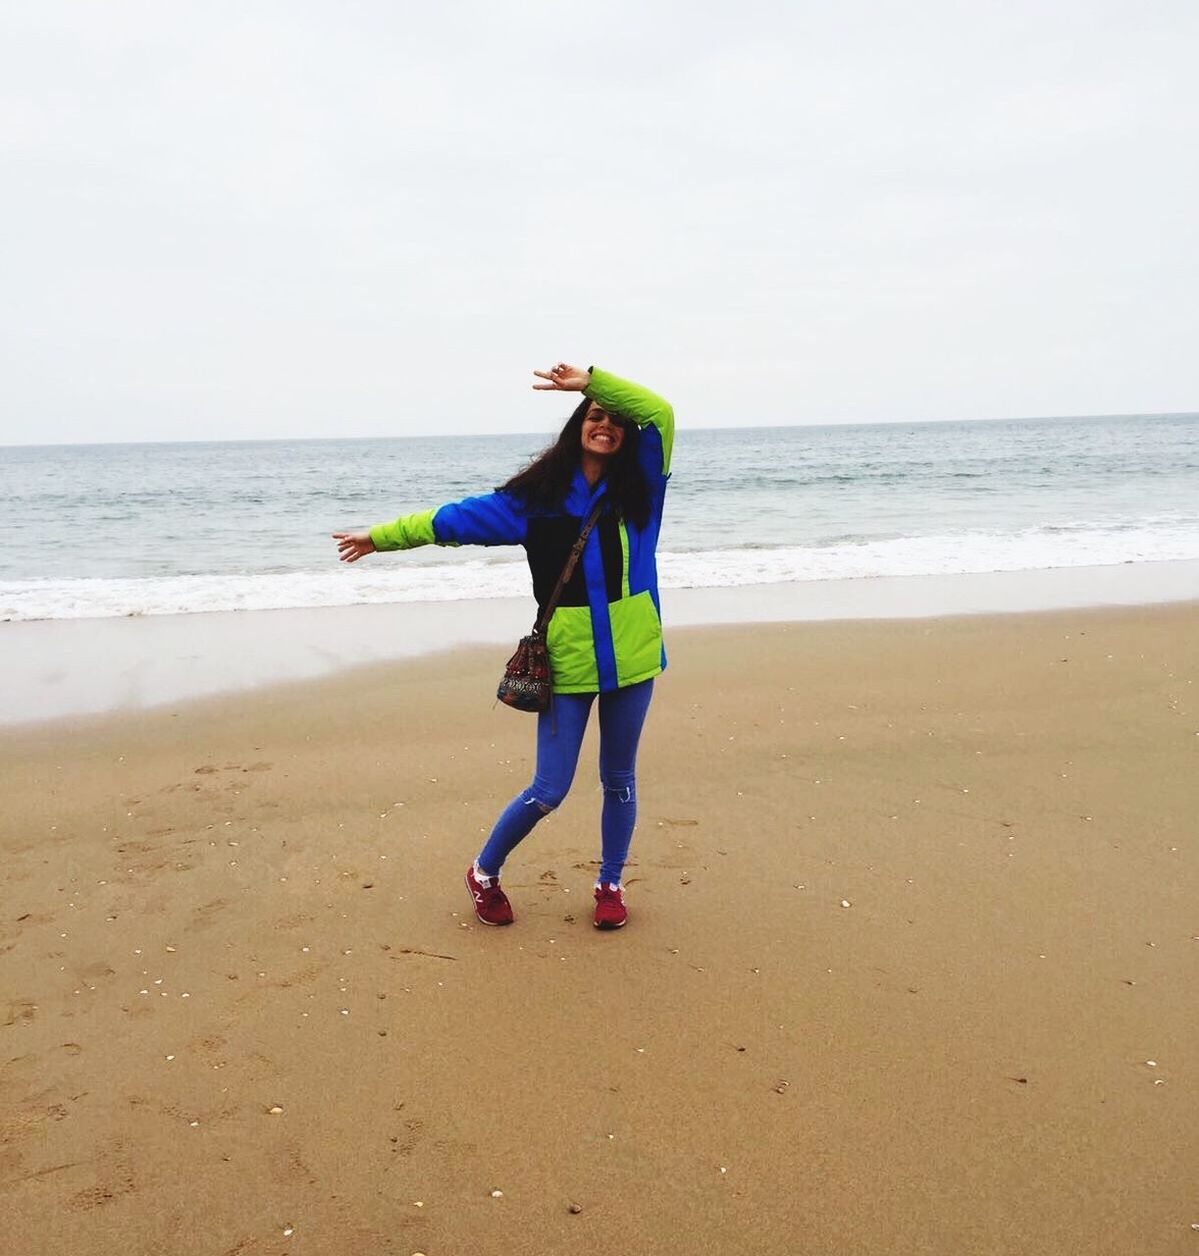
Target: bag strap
<point x="577" y="549"/>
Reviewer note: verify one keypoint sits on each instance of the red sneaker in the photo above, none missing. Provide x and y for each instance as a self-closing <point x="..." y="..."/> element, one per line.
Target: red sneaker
<point x="491" y="903"/>
<point x="610" y="911"/>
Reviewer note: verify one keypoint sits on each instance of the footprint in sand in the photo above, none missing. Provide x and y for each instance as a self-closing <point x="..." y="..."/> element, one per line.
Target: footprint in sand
<point x="203" y="916"/>
<point x="305" y="976"/>
<point x="137" y="848"/>
<point x="20" y="1012"/>
<point x="270" y="1066"/>
<point x="31" y="1116"/>
<point x="207" y="769"/>
<point x="114" y="1179"/>
<point x="95" y="972"/>
<point x="295" y="1162"/>
<point x="406" y="1144"/>
<point x="294" y="922"/>
<point x="241" y="1247"/>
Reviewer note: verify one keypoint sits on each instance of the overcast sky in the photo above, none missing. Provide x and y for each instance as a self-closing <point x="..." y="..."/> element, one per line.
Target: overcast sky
<point x="285" y="219"/>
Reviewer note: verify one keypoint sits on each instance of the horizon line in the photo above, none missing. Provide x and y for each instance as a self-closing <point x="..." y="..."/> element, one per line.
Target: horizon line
<point x="748" y="427"/>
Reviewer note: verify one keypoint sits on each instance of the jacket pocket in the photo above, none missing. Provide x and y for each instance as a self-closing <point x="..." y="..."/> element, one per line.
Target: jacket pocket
<point x="571" y="645"/>
<point x="636" y="638"/>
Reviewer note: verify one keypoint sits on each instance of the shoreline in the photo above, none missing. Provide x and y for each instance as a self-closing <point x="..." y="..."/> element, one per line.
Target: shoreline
<point x="71" y="668"/>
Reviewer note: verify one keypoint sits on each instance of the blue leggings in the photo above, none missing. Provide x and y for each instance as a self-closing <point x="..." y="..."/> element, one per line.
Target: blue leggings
<point x="559" y="739"/>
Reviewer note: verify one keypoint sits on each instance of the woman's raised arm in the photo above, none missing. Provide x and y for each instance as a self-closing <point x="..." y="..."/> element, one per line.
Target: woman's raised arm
<point x="649" y="411"/>
<point x="618" y="396"/>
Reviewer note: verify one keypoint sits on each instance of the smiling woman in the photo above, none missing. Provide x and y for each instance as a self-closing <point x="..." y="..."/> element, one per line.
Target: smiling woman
<point x="602" y="435"/>
<point x="605" y="634"/>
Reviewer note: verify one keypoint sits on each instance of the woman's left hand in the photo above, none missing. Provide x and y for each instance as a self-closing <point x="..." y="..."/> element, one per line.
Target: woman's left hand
<point x="564" y="378"/>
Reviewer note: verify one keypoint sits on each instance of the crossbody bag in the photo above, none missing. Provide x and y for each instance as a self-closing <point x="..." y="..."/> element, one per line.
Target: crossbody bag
<point x="527" y="683"/>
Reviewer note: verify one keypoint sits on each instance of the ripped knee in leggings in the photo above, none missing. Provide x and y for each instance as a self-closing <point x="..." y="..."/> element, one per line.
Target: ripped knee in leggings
<point x="544" y="805"/>
<point x="622" y="792"/>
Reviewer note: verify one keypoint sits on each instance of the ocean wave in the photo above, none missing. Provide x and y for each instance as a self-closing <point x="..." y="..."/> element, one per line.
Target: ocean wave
<point x="459" y="576"/>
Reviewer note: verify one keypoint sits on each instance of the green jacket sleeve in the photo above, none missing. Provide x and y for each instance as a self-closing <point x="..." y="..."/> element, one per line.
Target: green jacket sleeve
<point x="489" y="519"/>
<point x="407" y="532"/>
<point x="632" y="401"/>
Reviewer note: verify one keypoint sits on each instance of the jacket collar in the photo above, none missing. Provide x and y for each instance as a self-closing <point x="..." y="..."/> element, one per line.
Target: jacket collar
<point x="582" y="497"/>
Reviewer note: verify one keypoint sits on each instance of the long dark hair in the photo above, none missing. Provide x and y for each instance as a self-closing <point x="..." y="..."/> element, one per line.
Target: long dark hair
<point x="544" y="483"/>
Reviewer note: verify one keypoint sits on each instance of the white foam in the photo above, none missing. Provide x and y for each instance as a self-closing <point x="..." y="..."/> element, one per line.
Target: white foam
<point x="461" y="576"/>
<point x="1035" y="549"/>
<point x="384" y="582"/>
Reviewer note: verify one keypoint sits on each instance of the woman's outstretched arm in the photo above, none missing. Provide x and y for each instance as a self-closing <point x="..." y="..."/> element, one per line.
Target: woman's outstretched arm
<point x="491" y="519"/>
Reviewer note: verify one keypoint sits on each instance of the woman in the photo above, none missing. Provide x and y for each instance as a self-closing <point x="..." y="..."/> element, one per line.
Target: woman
<point x="605" y="637"/>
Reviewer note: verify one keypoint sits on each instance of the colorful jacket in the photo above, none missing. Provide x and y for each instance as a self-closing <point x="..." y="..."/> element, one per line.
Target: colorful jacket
<point x="606" y="632"/>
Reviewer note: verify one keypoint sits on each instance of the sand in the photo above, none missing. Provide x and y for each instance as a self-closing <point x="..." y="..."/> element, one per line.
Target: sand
<point x="910" y="967"/>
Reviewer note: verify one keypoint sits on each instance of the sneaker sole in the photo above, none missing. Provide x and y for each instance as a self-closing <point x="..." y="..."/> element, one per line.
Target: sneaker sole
<point x="494" y="924"/>
<point x="608" y="924"/>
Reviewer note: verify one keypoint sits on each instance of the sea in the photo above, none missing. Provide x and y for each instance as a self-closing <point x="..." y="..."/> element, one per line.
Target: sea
<point x="176" y="528"/>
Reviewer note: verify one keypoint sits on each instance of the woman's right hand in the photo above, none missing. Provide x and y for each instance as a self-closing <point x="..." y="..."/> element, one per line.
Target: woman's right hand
<point x="564" y="378"/>
<point x="351" y="546"/>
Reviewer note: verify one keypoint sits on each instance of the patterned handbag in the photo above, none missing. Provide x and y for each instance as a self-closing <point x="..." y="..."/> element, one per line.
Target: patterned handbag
<point x="527" y="683"/>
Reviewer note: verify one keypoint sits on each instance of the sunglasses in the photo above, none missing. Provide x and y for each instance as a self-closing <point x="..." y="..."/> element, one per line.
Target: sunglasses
<point x="598" y="416"/>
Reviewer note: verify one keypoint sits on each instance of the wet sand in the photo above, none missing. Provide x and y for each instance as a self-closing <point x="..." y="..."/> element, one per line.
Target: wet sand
<point x="56" y="668"/>
<point x="911" y="965"/>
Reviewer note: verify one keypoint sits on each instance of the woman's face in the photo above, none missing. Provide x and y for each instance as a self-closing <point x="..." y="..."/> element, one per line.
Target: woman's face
<point x="603" y="433"/>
